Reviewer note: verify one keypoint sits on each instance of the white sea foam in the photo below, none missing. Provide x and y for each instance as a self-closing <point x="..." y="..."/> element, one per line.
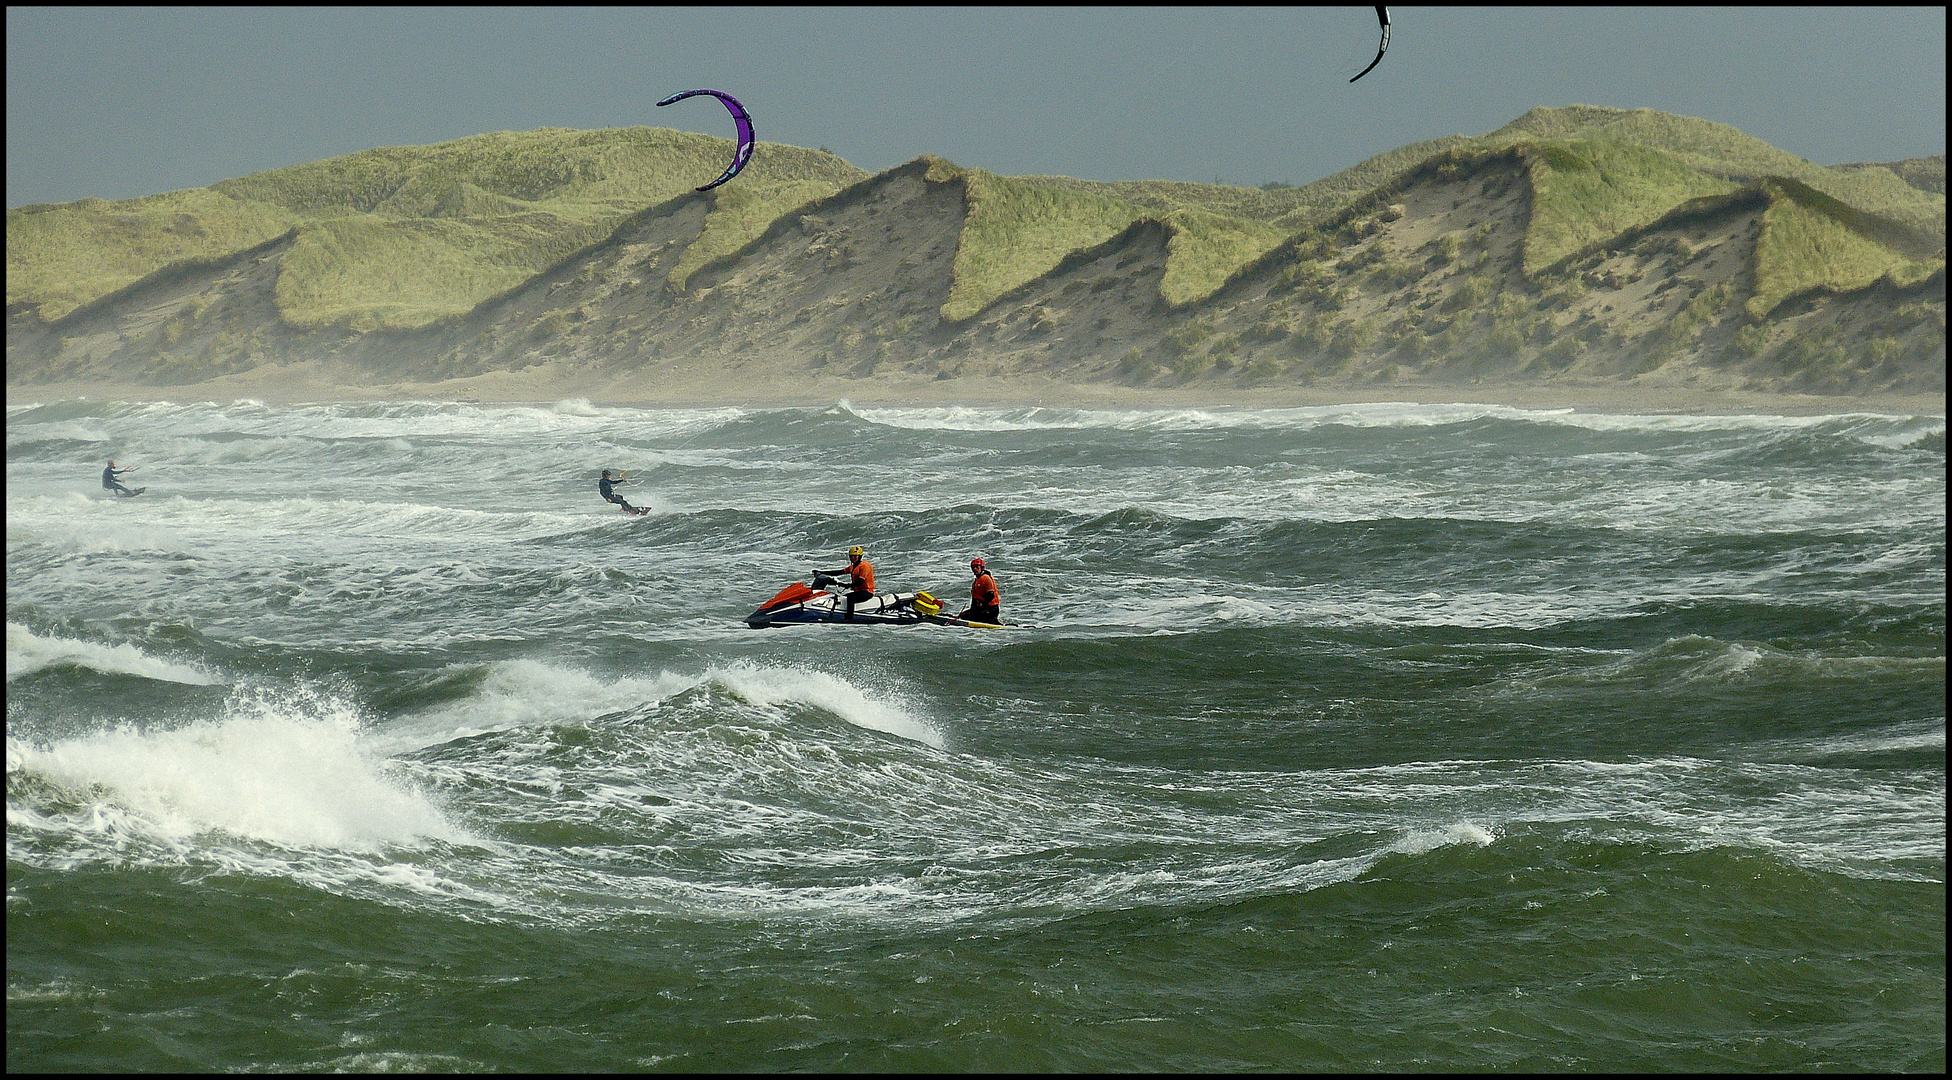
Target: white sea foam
<point x="1365" y="415"/>
<point x="74" y="430"/>
<point x="212" y="527"/>
<point x="756" y="760"/>
<point x="574" y="416"/>
<point x="1420" y="841"/>
<point x="1378" y="414"/>
<point x="771" y="686"/>
<point x="1692" y="658"/>
<point x="1793" y="811"/>
<point x="288" y="769"/>
<point x="1925" y="734"/>
<point x="28" y="652"/>
<point x="523" y="693"/>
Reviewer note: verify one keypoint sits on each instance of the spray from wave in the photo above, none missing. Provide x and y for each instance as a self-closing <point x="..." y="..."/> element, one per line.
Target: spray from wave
<point x="288" y="768"/>
<point x="28" y="652"/>
<point x="523" y="693"/>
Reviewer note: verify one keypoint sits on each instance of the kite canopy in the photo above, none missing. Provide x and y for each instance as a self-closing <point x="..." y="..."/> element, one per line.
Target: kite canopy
<point x="740" y="119"/>
<point x="1382" y="15"/>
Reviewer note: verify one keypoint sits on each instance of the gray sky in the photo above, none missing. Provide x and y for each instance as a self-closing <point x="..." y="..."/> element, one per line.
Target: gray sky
<point x="120" y="102"/>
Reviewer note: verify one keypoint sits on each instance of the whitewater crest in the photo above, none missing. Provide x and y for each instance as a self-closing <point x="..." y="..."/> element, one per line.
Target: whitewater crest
<point x="772" y="687"/>
<point x="286" y="767"/>
<point x="514" y="694"/>
<point x="28" y="652"/>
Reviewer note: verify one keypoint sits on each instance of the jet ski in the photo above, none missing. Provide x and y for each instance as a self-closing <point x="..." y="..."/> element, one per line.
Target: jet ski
<point x="820" y="603"/>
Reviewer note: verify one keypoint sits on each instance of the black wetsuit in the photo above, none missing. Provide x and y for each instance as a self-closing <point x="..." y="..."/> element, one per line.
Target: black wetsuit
<point x="985" y="602"/>
<point x="609" y="494"/>
<point x="109" y="482"/>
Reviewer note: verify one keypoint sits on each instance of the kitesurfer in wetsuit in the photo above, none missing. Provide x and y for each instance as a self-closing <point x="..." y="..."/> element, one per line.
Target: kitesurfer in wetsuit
<point x="985" y="603"/>
<point x="109" y="481"/>
<point x="860" y="573"/>
<point x="606" y="486"/>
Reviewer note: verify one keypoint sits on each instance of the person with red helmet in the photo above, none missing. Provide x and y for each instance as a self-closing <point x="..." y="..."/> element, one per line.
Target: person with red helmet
<point x="985" y="603"/>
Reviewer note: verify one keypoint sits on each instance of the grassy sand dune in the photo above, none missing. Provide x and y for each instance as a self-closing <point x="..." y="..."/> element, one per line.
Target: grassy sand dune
<point x="1573" y="244"/>
<point x="401" y="236"/>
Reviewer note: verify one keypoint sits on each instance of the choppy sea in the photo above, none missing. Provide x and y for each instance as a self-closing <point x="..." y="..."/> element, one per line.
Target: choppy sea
<point x="1367" y="737"/>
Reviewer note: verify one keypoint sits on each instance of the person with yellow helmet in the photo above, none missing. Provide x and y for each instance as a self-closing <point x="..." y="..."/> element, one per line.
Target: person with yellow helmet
<point x="860" y="574"/>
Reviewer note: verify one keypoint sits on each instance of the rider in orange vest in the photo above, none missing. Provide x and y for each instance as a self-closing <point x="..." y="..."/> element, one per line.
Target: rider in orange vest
<point x="985" y="603"/>
<point x="860" y="573"/>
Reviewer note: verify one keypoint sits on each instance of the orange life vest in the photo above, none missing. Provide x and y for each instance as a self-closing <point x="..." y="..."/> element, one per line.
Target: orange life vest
<point x="863" y="575"/>
<point x="982" y="591"/>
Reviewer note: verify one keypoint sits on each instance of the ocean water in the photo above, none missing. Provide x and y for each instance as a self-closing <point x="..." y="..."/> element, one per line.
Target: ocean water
<point x="1367" y="737"/>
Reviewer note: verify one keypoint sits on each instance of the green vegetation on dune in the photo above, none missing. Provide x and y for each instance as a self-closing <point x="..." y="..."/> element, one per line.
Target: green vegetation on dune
<point x="1586" y="192"/>
<point x="1331" y="195"/>
<point x="1206" y="249"/>
<point x="371" y="273"/>
<point x="1015" y="232"/>
<point x="1903" y="191"/>
<point x="1882" y="191"/>
<point x="1701" y="144"/>
<point x="1722" y="151"/>
<point x="399" y="236"/>
<point x="573" y="173"/>
<point x="739" y="214"/>
<point x="1811" y="240"/>
<point x="1926" y="173"/>
<point x="1020" y="227"/>
<point x="1163" y="197"/>
<point x="64" y="256"/>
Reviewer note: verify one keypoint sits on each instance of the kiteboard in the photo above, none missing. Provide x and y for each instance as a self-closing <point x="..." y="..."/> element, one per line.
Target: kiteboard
<point x="136" y="492"/>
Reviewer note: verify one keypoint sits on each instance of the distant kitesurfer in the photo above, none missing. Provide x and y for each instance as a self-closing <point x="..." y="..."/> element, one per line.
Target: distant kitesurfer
<point x="109" y="481"/>
<point x="606" y="487"/>
<point x="985" y="603"/>
<point x="860" y="574"/>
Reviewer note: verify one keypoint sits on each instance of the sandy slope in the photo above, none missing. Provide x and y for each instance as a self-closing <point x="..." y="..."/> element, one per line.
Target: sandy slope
<point x="277" y="384"/>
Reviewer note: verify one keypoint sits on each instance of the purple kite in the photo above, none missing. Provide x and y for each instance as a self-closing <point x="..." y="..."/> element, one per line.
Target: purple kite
<point x="740" y="118"/>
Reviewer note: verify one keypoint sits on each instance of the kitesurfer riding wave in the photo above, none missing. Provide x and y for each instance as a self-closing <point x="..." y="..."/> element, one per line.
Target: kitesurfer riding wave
<point x="109" y="481"/>
<point x="607" y="488"/>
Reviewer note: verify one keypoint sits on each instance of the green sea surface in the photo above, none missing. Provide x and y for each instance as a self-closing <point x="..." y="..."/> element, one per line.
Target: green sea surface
<point x="1372" y="737"/>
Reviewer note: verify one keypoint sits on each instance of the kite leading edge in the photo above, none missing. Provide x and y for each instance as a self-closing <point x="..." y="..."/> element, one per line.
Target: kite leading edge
<point x="740" y="118"/>
<point x="1382" y="15"/>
